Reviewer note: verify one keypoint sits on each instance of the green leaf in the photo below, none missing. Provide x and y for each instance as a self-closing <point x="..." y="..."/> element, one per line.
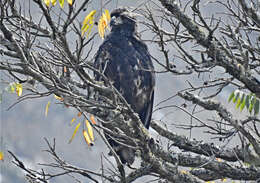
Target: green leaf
<point x="243" y="102"/>
<point x="61" y="3"/>
<point x="256" y="107"/>
<point x="248" y="101"/>
<point x="252" y="103"/>
<point x="231" y="96"/>
<point x="237" y="96"/>
<point x="238" y="103"/>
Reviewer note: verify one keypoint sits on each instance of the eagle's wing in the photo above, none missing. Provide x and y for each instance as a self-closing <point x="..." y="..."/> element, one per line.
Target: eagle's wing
<point x="127" y="64"/>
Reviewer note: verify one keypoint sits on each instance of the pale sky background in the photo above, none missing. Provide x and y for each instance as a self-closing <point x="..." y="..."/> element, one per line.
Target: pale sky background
<point x="24" y="126"/>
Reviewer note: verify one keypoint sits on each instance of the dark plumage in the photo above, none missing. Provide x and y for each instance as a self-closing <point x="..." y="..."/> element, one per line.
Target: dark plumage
<point x="125" y="61"/>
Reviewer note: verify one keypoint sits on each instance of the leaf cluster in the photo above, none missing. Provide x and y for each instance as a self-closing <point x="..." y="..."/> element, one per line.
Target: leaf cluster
<point x="242" y="100"/>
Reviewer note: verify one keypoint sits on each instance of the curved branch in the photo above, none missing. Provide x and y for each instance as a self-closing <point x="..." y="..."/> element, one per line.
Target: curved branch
<point x="198" y="147"/>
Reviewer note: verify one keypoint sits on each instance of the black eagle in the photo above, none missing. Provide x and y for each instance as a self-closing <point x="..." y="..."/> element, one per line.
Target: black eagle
<point x="124" y="59"/>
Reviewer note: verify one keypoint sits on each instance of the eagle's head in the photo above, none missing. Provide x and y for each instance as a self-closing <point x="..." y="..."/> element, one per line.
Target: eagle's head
<point x="123" y="19"/>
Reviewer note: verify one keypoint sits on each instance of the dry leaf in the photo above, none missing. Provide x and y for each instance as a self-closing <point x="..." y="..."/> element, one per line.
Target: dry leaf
<point x="19" y="89"/>
<point x="70" y="2"/>
<point x="58" y="98"/>
<point x="90" y="130"/>
<point x="88" y="23"/>
<point x="103" y="23"/>
<point x="92" y="119"/>
<point x="47" y="108"/>
<point x="79" y="114"/>
<point x="107" y="15"/>
<point x="87" y="139"/>
<point x="1" y="155"/>
<point x="65" y="69"/>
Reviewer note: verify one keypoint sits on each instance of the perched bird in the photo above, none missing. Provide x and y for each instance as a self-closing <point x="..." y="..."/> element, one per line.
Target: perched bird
<point x="124" y="59"/>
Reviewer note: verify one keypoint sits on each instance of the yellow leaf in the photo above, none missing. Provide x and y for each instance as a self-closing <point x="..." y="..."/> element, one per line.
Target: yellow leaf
<point x="74" y="133"/>
<point x="61" y="3"/>
<point x="19" y="89"/>
<point x="73" y="119"/>
<point x="90" y="28"/>
<point x="92" y="119"/>
<point x="11" y="87"/>
<point x="184" y="172"/>
<point x="103" y="23"/>
<point x="88" y="23"/>
<point x="88" y="18"/>
<point x="90" y="130"/>
<point x="101" y="30"/>
<point x="70" y="2"/>
<point x="224" y="180"/>
<point x="53" y="2"/>
<point x="87" y="139"/>
<point x="107" y="15"/>
<point x="47" y="2"/>
<point x="47" y="108"/>
<point x="58" y="98"/>
<point x="1" y="155"/>
<point x="219" y="160"/>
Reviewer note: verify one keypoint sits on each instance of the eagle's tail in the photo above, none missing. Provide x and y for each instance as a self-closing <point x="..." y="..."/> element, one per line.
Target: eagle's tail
<point x="126" y="154"/>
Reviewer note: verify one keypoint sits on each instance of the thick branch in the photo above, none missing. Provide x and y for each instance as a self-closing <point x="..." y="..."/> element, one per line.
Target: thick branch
<point x="207" y="149"/>
<point x="223" y="169"/>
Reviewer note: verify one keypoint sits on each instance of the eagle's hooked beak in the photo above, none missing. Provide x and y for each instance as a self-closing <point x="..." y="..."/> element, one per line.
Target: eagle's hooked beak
<point x="131" y="15"/>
